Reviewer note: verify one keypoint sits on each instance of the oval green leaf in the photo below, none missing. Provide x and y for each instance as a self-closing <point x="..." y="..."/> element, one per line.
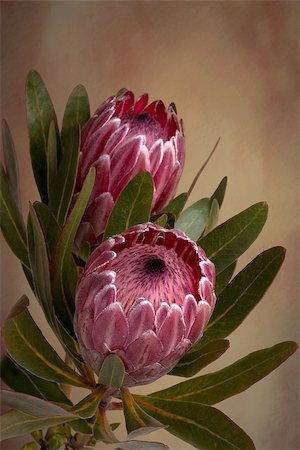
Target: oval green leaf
<point x="112" y="371"/>
<point x="40" y="113"/>
<point x="27" y="347"/>
<point x="133" y="205"/>
<point x="201" y="426"/>
<point x="239" y="376"/>
<point x="193" y="220"/>
<point x="11" y="163"/>
<point x="226" y="243"/>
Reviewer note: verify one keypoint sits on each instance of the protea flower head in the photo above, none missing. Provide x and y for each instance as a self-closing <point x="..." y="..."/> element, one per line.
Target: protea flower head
<point x="145" y="295"/>
<point x="124" y="138"/>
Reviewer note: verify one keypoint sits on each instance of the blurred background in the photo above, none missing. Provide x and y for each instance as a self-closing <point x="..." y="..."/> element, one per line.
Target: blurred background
<point x="232" y="70"/>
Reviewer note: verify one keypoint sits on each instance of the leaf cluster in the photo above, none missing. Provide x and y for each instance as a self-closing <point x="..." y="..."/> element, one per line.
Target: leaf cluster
<point x="44" y="244"/>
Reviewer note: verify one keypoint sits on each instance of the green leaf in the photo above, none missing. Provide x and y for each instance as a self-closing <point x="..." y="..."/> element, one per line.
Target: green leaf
<point x="213" y="216"/>
<point x="51" y="157"/>
<point x="40" y="266"/>
<point x="120" y="92"/>
<point x="63" y="268"/>
<point x="203" y="167"/>
<point x="194" y="219"/>
<point x="62" y="191"/>
<point x="11" y="221"/>
<point x="77" y="112"/>
<point x="201" y="426"/>
<point x="242" y="294"/>
<point x="195" y="360"/>
<point x="87" y="407"/>
<point x="138" y="422"/>
<point x="215" y="387"/>
<point x="81" y="426"/>
<point x="219" y="193"/>
<point x="112" y="371"/>
<point x="16" y="423"/>
<point x="161" y="220"/>
<point x="50" y="228"/>
<point x="19" y="379"/>
<point x="11" y="163"/>
<point x="31" y="405"/>
<point x="27" y="347"/>
<point x="226" y="243"/>
<point x="223" y="278"/>
<point x="177" y="204"/>
<point x="133" y="205"/>
<point x="40" y="113"/>
<point x="102" y="430"/>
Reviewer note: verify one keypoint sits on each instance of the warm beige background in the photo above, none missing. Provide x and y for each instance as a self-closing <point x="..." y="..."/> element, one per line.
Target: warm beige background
<point x="232" y="70"/>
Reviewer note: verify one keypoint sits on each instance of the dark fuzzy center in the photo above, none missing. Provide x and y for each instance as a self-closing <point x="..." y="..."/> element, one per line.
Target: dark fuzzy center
<point x="155" y="266"/>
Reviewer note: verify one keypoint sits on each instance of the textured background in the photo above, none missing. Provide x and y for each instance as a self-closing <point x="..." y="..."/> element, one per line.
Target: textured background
<point x="232" y="69"/>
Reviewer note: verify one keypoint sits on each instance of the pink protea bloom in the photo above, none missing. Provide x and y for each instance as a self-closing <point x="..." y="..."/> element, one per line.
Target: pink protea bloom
<point x="145" y="295"/>
<point x="124" y="138"/>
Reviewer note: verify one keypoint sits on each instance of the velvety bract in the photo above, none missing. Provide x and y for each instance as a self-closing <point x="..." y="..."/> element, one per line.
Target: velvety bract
<point x="145" y="295"/>
<point x="125" y="137"/>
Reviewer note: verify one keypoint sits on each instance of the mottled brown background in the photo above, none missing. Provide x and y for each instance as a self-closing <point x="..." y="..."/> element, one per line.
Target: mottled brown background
<point x="232" y="69"/>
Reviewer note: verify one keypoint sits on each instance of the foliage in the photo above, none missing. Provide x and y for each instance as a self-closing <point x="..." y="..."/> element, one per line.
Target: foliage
<point x="40" y="380"/>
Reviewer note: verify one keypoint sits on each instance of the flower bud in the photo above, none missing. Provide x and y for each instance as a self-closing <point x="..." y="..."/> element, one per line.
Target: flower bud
<point x="145" y="295"/>
<point x="124" y="138"/>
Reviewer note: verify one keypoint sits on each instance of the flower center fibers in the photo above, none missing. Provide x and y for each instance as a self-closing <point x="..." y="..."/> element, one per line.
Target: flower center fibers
<point x="154" y="273"/>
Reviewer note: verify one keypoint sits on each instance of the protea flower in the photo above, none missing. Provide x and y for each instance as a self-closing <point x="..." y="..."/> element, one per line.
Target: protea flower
<point x="124" y="138"/>
<point x="145" y="295"/>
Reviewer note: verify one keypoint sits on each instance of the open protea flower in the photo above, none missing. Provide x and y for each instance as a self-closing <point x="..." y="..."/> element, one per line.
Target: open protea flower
<point x="145" y="295"/>
<point x="124" y="138"/>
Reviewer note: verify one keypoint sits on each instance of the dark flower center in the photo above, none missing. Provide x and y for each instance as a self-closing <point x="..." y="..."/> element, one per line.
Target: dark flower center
<point x="155" y="266"/>
<point x="143" y="124"/>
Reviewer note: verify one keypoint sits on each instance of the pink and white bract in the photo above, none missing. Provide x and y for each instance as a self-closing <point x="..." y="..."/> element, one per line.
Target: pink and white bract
<point x="145" y="295"/>
<point x="124" y="138"/>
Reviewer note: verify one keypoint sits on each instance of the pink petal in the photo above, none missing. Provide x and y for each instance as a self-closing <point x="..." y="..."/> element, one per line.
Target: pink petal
<point x="115" y="139"/>
<point x="103" y="298"/>
<point x="101" y="261"/>
<point x="208" y="270"/>
<point x="161" y="314"/>
<point x="124" y="103"/>
<point x="156" y="156"/>
<point x="110" y="330"/>
<point x="171" y="360"/>
<point x="144" y="350"/>
<point x="201" y="320"/>
<point x="102" y="166"/>
<point x="99" y="212"/>
<point x="83" y="326"/>
<point x="140" y="319"/>
<point x="89" y="286"/>
<point x="206" y="291"/>
<point x="166" y="167"/>
<point x="172" y="330"/>
<point x="189" y="312"/>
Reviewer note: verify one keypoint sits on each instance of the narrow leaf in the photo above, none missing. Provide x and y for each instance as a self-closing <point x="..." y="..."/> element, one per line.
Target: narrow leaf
<point x="213" y="216"/>
<point x="226" y="243"/>
<point x="63" y="269"/>
<point x="62" y="191"/>
<point x="27" y="347"/>
<point x="19" y="379"/>
<point x="51" y="157"/>
<point x="11" y="163"/>
<point x="77" y="112"/>
<point x="31" y="405"/>
<point x="177" y="204"/>
<point x="142" y="445"/>
<point x="201" y="426"/>
<point x="11" y="221"/>
<point x="243" y="293"/>
<point x="133" y="206"/>
<point x="215" y="387"/>
<point x="219" y="193"/>
<point x="138" y="422"/>
<point x="16" y="423"/>
<point x="112" y="371"/>
<point x="203" y="167"/>
<point x="223" y="278"/>
<point x="50" y="228"/>
<point x="87" y="407"/>
<point x="40" y="266"/>
<point x="40" y="113"/>
<point x="193" y="220"/>
<point x="195" y="360"/>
